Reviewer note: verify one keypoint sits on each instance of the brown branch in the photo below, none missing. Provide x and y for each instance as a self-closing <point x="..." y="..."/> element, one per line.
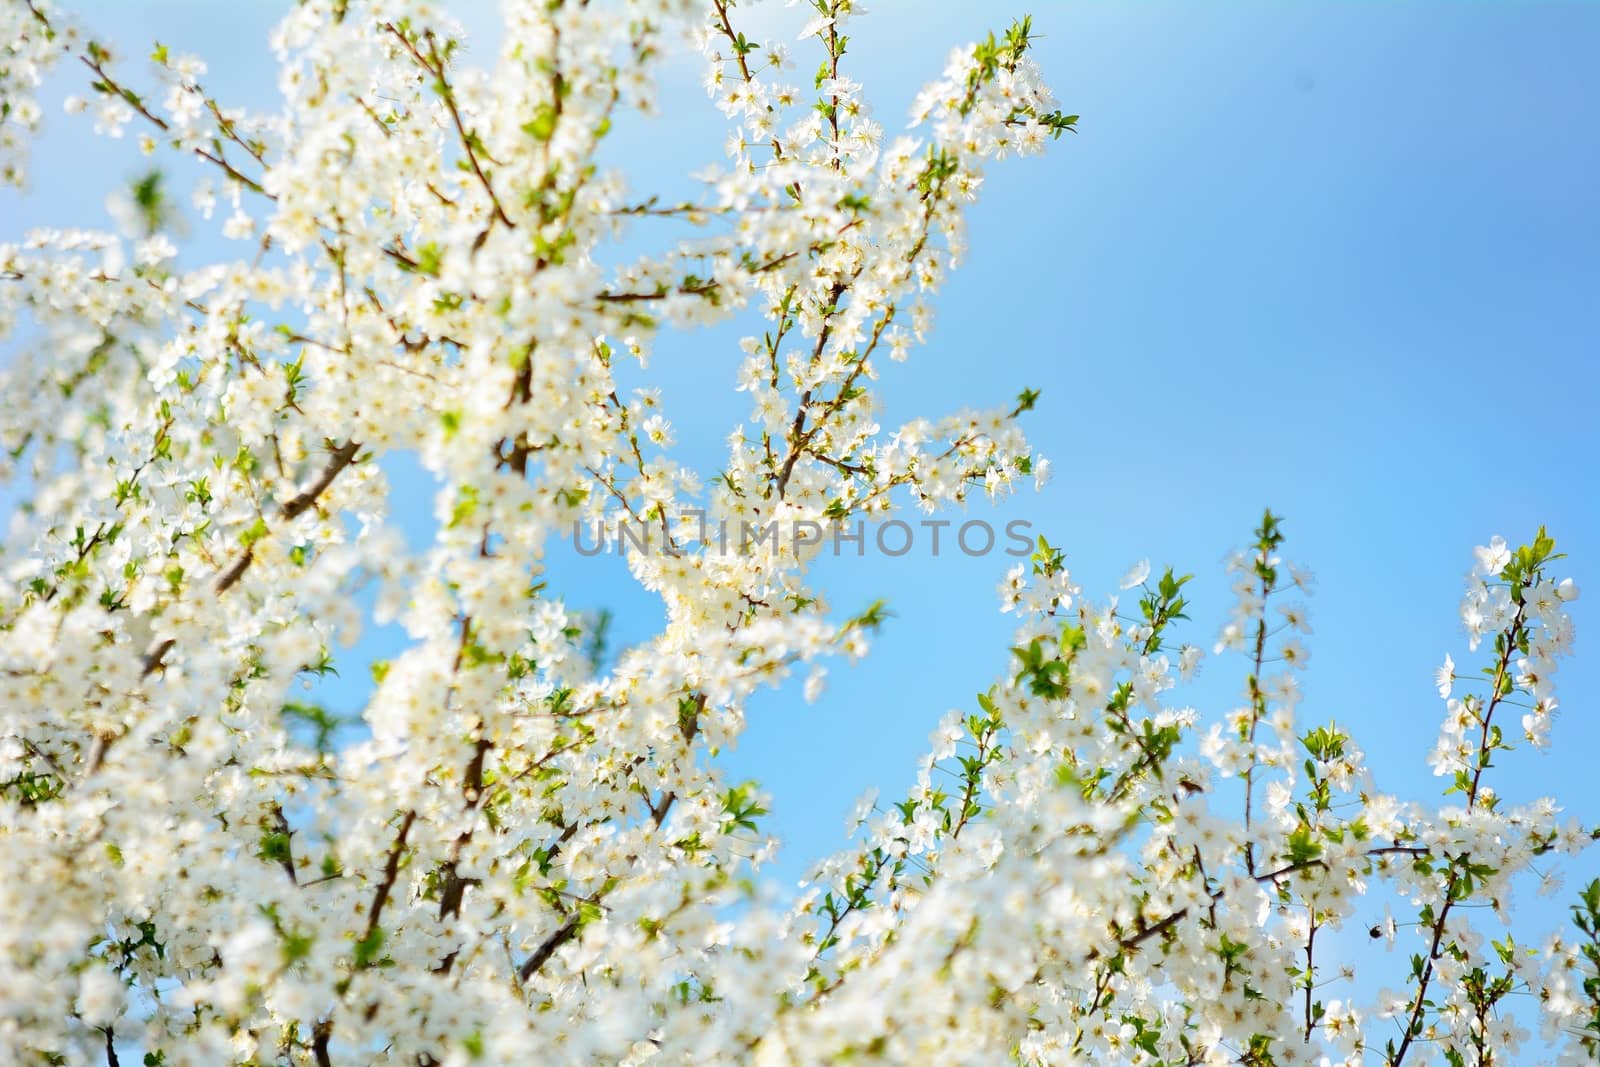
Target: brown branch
<point x="1452" y="880"/>
<point x="435" y="66"/>
<point x="726" y="27"/>
<point x="319" y="1043"/>
<point x="541" y="955"/>
<point x="133" y="100"/>
<point x="455" y="886"/>
<point x="230" y="577"/>
<point x="391" y="871"/>
<point x="1167" y="923"/>
<point x="664" y="291"/>
<point x="342" y="457"/>
<point x="801" y="445"/>
<point x="662" y="294"/>
<point x="102" y="741"/>
<point x="690" y="728"/>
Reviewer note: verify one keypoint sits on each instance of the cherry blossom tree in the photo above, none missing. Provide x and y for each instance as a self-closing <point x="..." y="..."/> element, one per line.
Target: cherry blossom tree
<point x="528" y="855"/>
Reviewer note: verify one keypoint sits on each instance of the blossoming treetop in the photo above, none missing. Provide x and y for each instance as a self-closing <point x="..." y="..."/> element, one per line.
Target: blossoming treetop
<point x="529" y="853"/>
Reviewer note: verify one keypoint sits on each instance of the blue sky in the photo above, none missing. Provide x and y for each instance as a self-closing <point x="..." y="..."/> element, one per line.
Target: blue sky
<point x="1337" y="259"/>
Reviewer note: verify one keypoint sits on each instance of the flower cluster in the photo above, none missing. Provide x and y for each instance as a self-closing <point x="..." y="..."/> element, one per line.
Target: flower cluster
<point x="524" y="846"/>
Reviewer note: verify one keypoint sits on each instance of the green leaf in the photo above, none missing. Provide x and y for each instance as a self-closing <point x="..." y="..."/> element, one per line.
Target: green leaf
<point x="368" y="947"/>
<point x="543" y="124"/>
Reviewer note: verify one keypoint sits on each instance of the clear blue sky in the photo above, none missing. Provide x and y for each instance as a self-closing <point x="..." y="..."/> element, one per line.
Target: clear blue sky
<point x="1342" y="259"/>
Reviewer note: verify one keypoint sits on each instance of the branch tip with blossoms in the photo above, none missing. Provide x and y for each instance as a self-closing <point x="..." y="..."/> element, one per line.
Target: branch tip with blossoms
<point x="532" y="842"/>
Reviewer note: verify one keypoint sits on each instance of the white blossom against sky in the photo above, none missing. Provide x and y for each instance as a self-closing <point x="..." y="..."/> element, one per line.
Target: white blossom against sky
<point x="1322" y="257"/>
